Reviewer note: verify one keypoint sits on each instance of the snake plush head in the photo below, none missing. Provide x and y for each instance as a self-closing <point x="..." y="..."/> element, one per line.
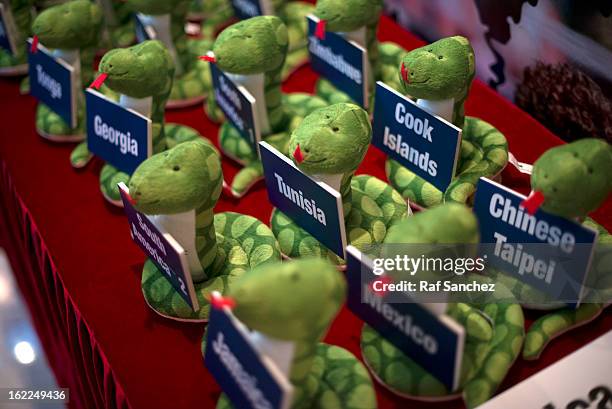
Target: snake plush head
<point x="452" y="223"/>
<point x="449" y="223"/>
<point x="139" y="71"/>
<point x="574" y="178"/>
<point x="292" y="301"/>
<point x="252" y="46"/>
<point x="348" y="15"/>
<point x="331" y="140"/>
<point x="438" y="70"/>
<point x="156" y="8"/>
<point x="177" y="180"/>
<point x="70" y="25"/>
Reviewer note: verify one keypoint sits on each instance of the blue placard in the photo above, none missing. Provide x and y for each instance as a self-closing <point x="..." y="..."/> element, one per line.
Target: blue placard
<point x="344" y="63"/>
<point x="52" y="83"/>
<point x="244" y="9"/>
<point x="7" y="34"/>
<point x="165" y="252"/>
<point x="424" y="143"/>
<point x="238" y="105"/>
<point x="245" y="378"/>
<point x="433" y="341"/>
<point x="312" y="205"/>
<point x="548" y="252"/>
<point x="120" y="136"/>
<point x="144" y="31"/>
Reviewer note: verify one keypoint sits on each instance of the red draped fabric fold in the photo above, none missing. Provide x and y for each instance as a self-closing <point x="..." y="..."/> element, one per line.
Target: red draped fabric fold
<point x="71" y="348"/>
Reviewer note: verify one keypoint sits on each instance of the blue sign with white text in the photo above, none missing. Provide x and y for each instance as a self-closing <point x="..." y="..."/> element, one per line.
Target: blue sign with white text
<point x="545" y="251"/>
<point x="434" y="342"/>
<point x="161" y="249"/>
<point x="419" y="141"/>
<point x="237" y="105"/>
<point x="7" y="42"/>
<point x="238" y="368"/>
<point x="144" y="31"/>
<point x="340" y="61"/>
<point x="51" y="82"/>
<point x="315" y="208"/>
<point x="244" y="9"/>
<point x="119" y="136"/>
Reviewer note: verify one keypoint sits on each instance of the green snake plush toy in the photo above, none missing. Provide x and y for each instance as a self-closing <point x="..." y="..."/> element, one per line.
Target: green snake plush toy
<point x="180" y="187"/>
<point x="252" y="53"/>
<point x="440" y="75"/>
<point x="211" y="14"/>
<point x="72" y="31"/>
<point x="18" y="14"/>
<point x="358" y="21"/>
<point x="191" y="76"/>
<point x="329" y="145"/>
<point x="142" y="75"/>
<point x="295" y="303"/>
<point x="494" y="330"/>
<point x="293" y="14"/>
<point x="119" y="23"/>
<point x="574" y="180"/>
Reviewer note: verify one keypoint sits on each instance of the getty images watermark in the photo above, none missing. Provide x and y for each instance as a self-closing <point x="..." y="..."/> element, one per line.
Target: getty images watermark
<point x="537" y="275"/>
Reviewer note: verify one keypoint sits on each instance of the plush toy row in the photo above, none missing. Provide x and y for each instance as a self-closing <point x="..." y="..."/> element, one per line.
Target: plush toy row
<point x="326" y="136"/>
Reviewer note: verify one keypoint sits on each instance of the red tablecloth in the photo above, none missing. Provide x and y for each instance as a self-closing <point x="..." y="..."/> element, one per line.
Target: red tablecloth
<point x="80" y="271"/>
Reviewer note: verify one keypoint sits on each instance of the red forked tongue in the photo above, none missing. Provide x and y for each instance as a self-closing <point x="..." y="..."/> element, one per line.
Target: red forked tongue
<point x="298" y="155"/>
<point x="34" y="46"/>
<point x="320" y="29"/>
<point x="97" y="83"/>
<point x="130" y="199"/>
<point x="219" y="301"/>
<point x="383" y="280"/>
<point x="533" y="202"/>
<point x="209" y="57"/>
<point x="405" y="73"/>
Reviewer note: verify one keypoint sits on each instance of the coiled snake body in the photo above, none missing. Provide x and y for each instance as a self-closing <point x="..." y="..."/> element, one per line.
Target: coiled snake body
<point x="180" y="187"/>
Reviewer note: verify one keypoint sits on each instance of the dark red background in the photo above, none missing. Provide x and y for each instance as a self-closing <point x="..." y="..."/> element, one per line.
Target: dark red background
<point x="80" y="271"/>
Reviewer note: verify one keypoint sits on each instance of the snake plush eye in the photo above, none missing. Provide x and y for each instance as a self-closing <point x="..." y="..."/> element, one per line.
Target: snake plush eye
<point x="176" y="168"/>
<point x="440" y="57"/>
<point x="335" y="129"/>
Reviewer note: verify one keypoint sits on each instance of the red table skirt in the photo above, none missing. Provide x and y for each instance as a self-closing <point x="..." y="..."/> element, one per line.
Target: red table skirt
<point x="80" y="272"/>
<point x="70" y="346"/>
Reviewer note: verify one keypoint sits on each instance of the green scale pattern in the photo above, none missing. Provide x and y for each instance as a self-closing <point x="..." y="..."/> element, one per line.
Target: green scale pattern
<point x="335" y="140"/>
<point x="188" y="177"/>
<point x="193" y="82"/>
<point x="439" y="71"/>
<point x="494" y="328"/>
<point x="21" y="11"/>
<point x="296" y="302"/>
<point x="75" y="25"/>
<point x="344" y="16"/>
<point x="142" y="71"/>
<point x="575" y="181"/>
<point x="259" y="46"/>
